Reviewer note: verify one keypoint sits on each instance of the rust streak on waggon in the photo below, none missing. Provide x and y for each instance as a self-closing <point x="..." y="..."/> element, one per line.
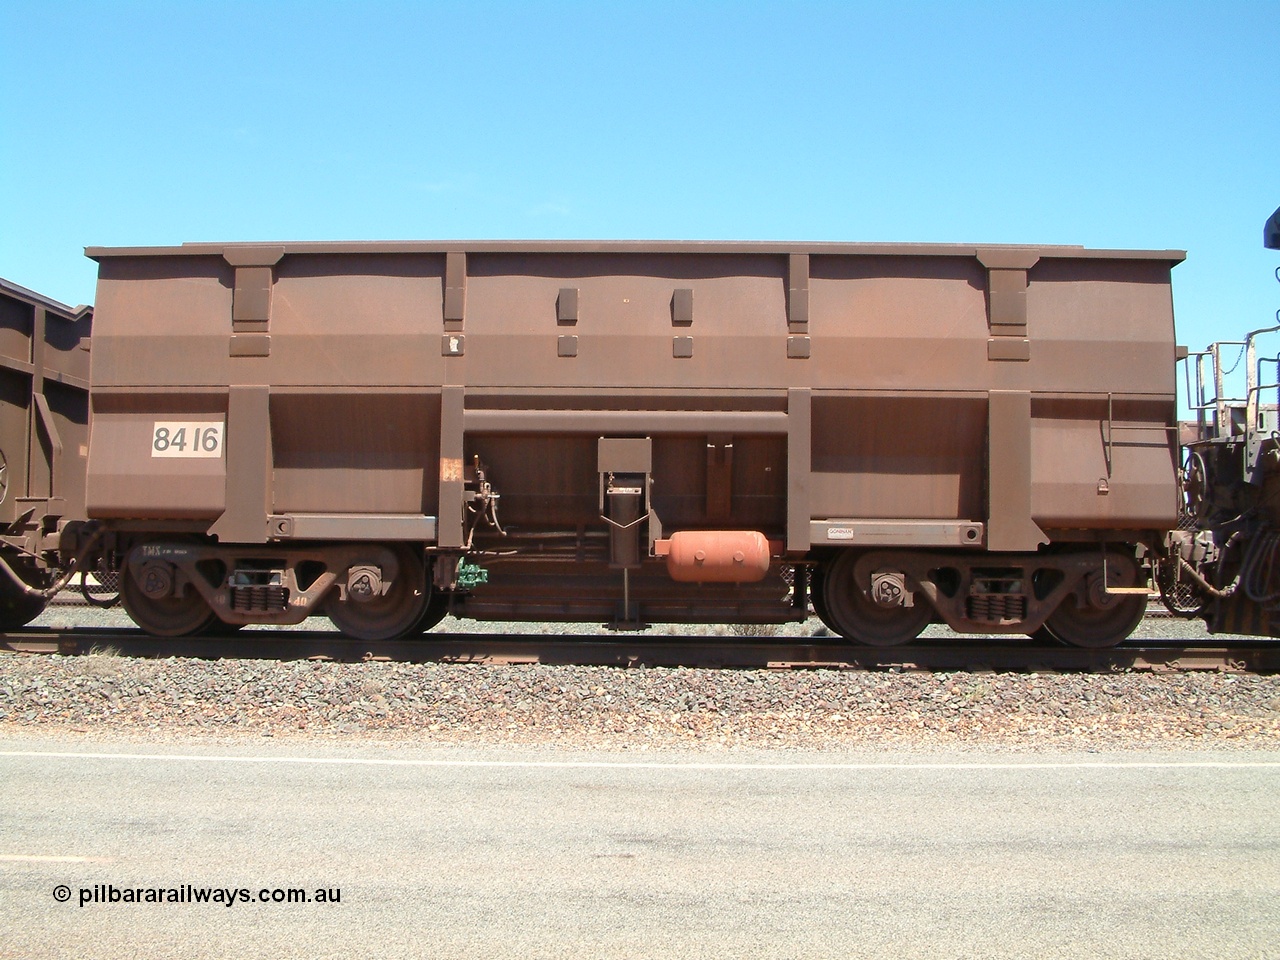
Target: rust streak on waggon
<point x="983" y="435"/>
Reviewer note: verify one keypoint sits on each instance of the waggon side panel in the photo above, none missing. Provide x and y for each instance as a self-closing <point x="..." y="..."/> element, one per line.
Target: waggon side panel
<point x="44" y="409"/>
<point x="898" y="345"/>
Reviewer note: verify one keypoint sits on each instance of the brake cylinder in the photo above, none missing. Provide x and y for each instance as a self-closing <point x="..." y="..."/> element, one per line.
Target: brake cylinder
<point x="715" y="556"/>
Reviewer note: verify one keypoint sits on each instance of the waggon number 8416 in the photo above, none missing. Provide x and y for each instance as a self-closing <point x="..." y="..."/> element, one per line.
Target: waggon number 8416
<point x="176" y="439"/>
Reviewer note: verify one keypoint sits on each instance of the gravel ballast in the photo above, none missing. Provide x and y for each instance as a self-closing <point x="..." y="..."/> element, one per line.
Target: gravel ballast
<point x="636" y="708"/>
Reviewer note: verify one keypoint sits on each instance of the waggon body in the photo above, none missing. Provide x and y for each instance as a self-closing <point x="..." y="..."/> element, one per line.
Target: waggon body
<point x="634" y="431"/>
<point x="44" y="434"/>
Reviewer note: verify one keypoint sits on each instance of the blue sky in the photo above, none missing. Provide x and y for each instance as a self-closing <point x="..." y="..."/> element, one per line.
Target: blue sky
<point x="1109" y="124"/>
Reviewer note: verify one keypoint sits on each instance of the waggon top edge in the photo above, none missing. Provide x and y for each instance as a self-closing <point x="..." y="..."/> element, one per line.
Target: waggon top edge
<point x="781" y="247"/>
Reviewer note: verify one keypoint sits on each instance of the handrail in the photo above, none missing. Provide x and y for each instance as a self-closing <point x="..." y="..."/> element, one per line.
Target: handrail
<point x="1210" y="391"/>
<point x="1253" y="374"/>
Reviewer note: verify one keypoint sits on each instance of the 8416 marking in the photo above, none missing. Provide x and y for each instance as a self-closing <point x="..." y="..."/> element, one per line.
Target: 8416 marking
<point x="173" y="438"/>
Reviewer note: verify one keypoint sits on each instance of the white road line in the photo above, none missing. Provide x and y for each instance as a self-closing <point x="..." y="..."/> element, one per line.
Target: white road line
<point x="660" y="765"/>
<point x="23" y="858"/>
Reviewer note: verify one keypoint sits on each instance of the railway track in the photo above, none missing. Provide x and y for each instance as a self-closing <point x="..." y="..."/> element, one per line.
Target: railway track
<point x="1014" y="655"/>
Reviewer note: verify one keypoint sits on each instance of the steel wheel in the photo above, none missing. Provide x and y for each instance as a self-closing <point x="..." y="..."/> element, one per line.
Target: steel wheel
<point x="856" y="617"/>
<point x="1097" y="619"/>
<point x="436" y="610"/>
<point x="17" y="608"/>
<point x="818" y="603"/>
<point x="166" y="616"/>
<point x="395" y="613"/>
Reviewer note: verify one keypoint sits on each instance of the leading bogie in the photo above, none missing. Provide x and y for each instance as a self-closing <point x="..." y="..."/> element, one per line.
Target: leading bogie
<point x="179" y="587"/>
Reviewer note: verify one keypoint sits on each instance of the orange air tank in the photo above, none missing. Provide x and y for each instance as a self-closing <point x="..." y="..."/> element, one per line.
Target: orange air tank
<point x="716" y="556"/>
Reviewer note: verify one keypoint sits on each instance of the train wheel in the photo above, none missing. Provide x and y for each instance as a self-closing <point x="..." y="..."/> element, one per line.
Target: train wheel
<point x="165" y="616"/>
<point x="391" y="615"/>
<point x="819" y="604"/>
<point x="1097" y="619"/>
<point x="220" y="628"/>
<point x="437" y="609"/>
<point x="856" y="617"/>
<point x="17" y="609"/>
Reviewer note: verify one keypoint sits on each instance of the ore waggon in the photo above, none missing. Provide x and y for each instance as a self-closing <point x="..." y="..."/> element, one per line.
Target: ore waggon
<point x="634" y="432"/>
<point x="44" y="435"/>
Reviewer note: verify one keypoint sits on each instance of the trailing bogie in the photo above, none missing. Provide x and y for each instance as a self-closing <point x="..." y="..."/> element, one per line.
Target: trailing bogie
<point x="1085" y="597"/>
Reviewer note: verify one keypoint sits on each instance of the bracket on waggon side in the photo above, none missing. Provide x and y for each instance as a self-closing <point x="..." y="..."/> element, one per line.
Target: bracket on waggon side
<point x="625" y="466"/>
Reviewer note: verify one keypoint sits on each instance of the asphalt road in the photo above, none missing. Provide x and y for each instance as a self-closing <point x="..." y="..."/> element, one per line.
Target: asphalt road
<point x="457" y="853"/>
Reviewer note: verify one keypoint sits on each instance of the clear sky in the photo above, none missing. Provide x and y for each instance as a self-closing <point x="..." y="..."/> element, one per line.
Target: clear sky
<point x="1123" y="124"/>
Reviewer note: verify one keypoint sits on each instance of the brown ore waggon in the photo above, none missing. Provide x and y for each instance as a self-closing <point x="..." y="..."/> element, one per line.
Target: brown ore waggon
<point x="44" y="436"/>
<point x="634" y="432"/>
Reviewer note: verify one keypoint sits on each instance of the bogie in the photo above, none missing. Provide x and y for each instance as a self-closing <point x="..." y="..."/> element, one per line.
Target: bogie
<point x="177" y="587"/>
<point x="888" y="597"/>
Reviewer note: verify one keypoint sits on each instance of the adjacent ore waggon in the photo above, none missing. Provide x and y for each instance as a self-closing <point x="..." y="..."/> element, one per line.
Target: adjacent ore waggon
<point x="632" y="433"/>
<point x="44" y="434"/>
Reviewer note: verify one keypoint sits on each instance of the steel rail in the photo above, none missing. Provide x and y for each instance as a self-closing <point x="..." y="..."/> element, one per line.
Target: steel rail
<point x="1014" y="656"/>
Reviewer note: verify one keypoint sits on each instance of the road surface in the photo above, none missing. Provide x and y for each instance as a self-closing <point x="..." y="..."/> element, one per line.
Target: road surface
<point x="550" y="853"/>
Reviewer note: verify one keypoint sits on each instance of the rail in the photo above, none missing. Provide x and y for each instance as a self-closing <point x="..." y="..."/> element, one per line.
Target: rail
<point x="1015" y="655"/>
